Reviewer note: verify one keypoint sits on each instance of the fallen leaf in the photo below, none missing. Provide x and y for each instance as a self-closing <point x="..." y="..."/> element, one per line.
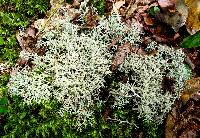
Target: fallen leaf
<point x="162" y="39"/>
<point x="189" y="62"/>
<point x="130" y="10"/>
<point x="108" y="7"/>
<point x="22" y="62"/>
<point x="191" y="41"/>
<point x="31" y="31"/>
<point x="116" y="7"/>
<point x="119" y="4"/>
<point x="167" y="4"/>
<point x="120" y="55"/>
<point x="188" y="2"/>
<point x="114" y="42"/>
<point x="153" y="10"/>
<point x="184" y="120"/>
<point x="181" y="12"/>
<point x="193" y="20"/>
<point x="148" y="20"/>
<point x="138" y="51"/>
<point x="122" y="11"/>
<point x="91" y="19"/>
<point x="175" y="20"/>
<point x="192" y="87"/>
<point x="193" y="54"/>
<point x="122" y="52"/>
<point x="27" y="39"/>
<point x="174" y="13"/>
<point x="76" y="3"/>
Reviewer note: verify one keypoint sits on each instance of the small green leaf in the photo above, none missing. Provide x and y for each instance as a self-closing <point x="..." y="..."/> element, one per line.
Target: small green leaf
<point x="191" y="41"/>
<point x="1" y="41"/>
<point x="153" y="10"/>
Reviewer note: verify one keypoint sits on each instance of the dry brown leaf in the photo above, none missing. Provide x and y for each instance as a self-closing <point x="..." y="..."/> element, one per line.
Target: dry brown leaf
<point x="148" y="20"/>
<point x="189" y="2"/>
<point x="119" y="4"/>
<point x="167" y="4"/>
<point x="131" y="9"/>
<point x="193" y="20"/>
<point x="91" y="19"/>
<point x="189" y="62"/>
<point x="114" y="42"/>
<point x="120" y="55"/>
<point x="76" y="3"/>
<point x="122" y="52"/>
<point x="31" y="31"/>
<point x="184" y="120"/>
<point x="175" y="13"/>
<point x="176" y="19"/>
<point x="138" y="50"/>
<point x="122" y="11"/>
<point x="116" y="6"/>
<point x="192" y="87"/>
<point x="185" y="12"/>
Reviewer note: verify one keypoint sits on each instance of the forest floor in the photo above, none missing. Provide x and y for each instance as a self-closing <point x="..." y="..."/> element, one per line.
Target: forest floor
<point x="169" y="22"/>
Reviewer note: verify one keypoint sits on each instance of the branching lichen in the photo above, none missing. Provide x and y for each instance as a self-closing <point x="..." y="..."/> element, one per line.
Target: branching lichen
<point x="75" y="63"/>
<point x="146" y="79"/>
<point x="73" y="67"/>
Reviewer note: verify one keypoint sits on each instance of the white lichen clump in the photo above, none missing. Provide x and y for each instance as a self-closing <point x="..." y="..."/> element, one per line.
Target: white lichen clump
<point x="73" y="68"/>
<point x="144" y="86"/>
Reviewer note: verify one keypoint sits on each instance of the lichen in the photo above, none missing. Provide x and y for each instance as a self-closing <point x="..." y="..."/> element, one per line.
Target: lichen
<point x="144" y="86"/>
<point x="73" y="68"/>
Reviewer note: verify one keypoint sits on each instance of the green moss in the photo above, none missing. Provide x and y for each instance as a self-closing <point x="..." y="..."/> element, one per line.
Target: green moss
<point x="4" y="79"/>
<point x="153" y="130"/>
<point x="99" y="5"/>
<point x="43" y="120"/>
<point x="13" y="15"/>
<point x="23" y="120"/>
